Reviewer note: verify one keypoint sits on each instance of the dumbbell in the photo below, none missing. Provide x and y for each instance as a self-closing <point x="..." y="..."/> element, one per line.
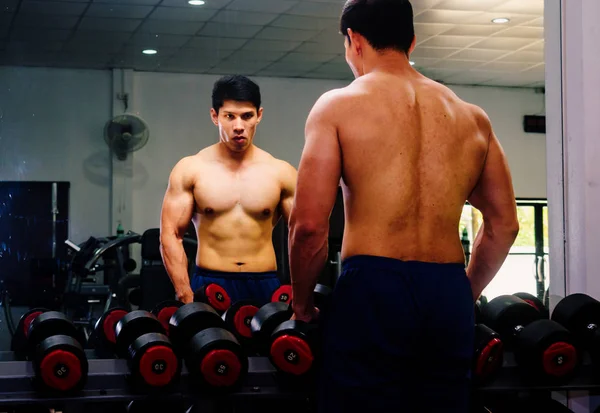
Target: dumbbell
<point x="534" y="302"/>
<point x="55" y="347"/>
<point x="543" y="348"/>
<point x="580" y="314"/>
<point x="165" y="310"/>
<point x="291" y="345"/>
<point x="103" y="338"/>
<point x="488" y="355"/>
<point x="282" y="294"/>
<point x="214" y="295"/>
<point x="141" y="340"/>
<point x="213" y="356"/>
<point x="237" y="320"/>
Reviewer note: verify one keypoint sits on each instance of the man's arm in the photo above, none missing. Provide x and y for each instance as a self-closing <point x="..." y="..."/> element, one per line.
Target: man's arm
<point x="318" y="179"/>
<point x="289" y="176"/>
<point x="176" y="214"/>
<point x="494" y="197"/>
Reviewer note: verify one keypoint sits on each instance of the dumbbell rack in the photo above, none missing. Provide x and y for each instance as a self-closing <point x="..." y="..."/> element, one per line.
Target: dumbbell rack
<point x="107" y="382"/>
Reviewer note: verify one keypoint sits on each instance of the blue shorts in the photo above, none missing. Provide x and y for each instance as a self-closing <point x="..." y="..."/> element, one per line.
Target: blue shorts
<point x="398" y="336"/>
<point x="258" y="286"/>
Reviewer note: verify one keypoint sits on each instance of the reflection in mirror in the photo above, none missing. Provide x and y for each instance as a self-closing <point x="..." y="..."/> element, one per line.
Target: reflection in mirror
<point x="99" y="100"/>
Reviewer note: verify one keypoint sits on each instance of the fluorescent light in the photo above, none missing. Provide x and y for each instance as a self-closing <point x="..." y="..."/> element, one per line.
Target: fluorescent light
<point x="149" y="51"/>
<point x="412" y="63"/>
<point x="501" y="20"/>
<point x="196" y="2"/>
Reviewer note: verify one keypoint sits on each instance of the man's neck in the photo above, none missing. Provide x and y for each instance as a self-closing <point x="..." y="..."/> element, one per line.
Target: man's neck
<point x="387" y="62"/>
<point x="237" y="158"/>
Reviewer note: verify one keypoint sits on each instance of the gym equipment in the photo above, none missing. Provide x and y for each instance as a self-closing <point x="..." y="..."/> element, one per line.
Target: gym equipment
<point x="165" y="310"/>
<point x="283" y="294"/>
<point x="238" y="318"/>
<point x="141" y="339"/>
<point x="55" y="347"/>
<point x="535" y="303"/>
<point x="213" y="355"/>
<point x="215" y="295"/>
<point x="580" y="314"/>
<point x="291" y="345"/>
<point x="488" y="355"/>
<point x="543" y="349"/>
<point x="104" y="339"/>
<point x="322" y="294"/>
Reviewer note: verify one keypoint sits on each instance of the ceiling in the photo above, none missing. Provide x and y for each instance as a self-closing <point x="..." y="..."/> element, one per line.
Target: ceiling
<point x="457" y="42"/>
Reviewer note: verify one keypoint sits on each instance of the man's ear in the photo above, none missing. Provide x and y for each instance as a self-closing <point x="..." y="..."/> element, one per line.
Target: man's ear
<point x="356" y="41"/>
<point x="259" y="115"/>
<point x="214" y="116"/>
<point x="412" y="45"/>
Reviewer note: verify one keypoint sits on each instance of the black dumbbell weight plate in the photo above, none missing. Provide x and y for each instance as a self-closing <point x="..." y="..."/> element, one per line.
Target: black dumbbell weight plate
<point x="189" y="320"/>
<point x="576" y="312"/>
<point x="19" y="340"/>
<point x="489" y="353"/>
<point x="153" y="360"/>
<point x="265" y="321"/>
<point x="165" y="310"/>
<point x="134" y="325"/>
<point x="322" y="294"/>
<point x="217" y="358"/>
<point x="506" y="312"/>
<point x="214" y="295"/>
<point x="239" y="316"/>
<point x="105" y="326"/>
<point x="534" y="302"/>
<point x="293" y="345"/>
<point x="49" y="324"/>
<point x="546" y="349"/>
<point x="60" y="364"/>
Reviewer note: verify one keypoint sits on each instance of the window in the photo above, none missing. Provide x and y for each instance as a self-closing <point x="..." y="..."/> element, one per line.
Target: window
<point x="526" y="267"/>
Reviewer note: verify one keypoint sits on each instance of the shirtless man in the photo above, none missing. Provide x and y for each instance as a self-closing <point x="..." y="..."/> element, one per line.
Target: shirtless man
<point x="234" y="193"/>
<point x="409" y="152"/>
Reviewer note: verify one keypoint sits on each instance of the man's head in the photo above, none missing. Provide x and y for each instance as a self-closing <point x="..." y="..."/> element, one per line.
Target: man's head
<point x="236" y="111"/>
<point x="383" y="25"/>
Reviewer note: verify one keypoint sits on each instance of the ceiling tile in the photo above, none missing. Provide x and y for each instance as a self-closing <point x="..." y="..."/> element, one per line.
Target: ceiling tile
<point x="282" y="73"/>
<point x="332" y="76"/>
<point x="185" y="67"/>
<point x="480" y="55"/>
<point x="474" y="30"/>
<point x="456" y="64"/>
<point x="260" y="6"/>
<point x="103" y="24"/>
<point x="306" y="8"/>
<point x="118" y="11"/>
<point x="502" y="43"/>
<point x="182" y="14"/>
<point x="486" y="18"/>
<point x="431" y="29"/>
<point x="314" y="47"/>
<point x="295" y="57"/>
<point x="31" y="34"/>
<point x="272" y="45"/>
<point x="521" y="6"/>
<point x="468" y="5"/>
<point x="506" y="67"/>
<point x="244" y="66"/>
<point x="214" y="55"/>
<point x="97" y="45"/>
<point x="433" y="52"/>
<point x="168" y="27"/>
<point x="44" y="21"/>
<point x="539" y="22"/>
<point x="451" y="41"/>
<point x="209" y="4"/>
<point x="215" y="42"/>
<point x="159" y="40"/>
<point x="23" y="47"/>
<point x="521" y="56"/>
<point x="472" y="77"/>
<point x="445" y="16"/>
<point x="277" y="33"/>
<point x="52" y="7"/>
<point x="238" y="17"/>
<point x="135" y="2"/>
<point x="8" y="6"/>
<point x="439" y="73"/>
<point x="536" y="47"/>
<point x="285" y="66"/>
<point x="244" y="31"/>
<point x="523" y="32"/>
<point x="515" y="79"/>
<point x="424" y="61"/>
<point x="334" y="67"/>
<point x="304" y="23"/>
<point x="256" y="56"/>
<point x="135" y="52"/>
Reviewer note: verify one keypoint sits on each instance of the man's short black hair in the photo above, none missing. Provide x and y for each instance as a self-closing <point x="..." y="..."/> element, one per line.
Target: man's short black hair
<point x="386" y="24"/>
<point x="235" y="87"/>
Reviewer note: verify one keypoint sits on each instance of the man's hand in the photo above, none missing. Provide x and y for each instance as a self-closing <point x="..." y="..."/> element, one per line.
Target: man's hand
<point x="309" y="315"/>
<point x="186" y="296"/>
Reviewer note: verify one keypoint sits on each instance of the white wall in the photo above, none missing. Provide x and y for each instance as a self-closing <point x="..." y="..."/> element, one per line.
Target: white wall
<point x="51" y="129"/>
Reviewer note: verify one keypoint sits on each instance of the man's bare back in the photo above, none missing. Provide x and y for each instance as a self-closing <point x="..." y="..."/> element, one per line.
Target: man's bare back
<point x="410" y="160"/>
